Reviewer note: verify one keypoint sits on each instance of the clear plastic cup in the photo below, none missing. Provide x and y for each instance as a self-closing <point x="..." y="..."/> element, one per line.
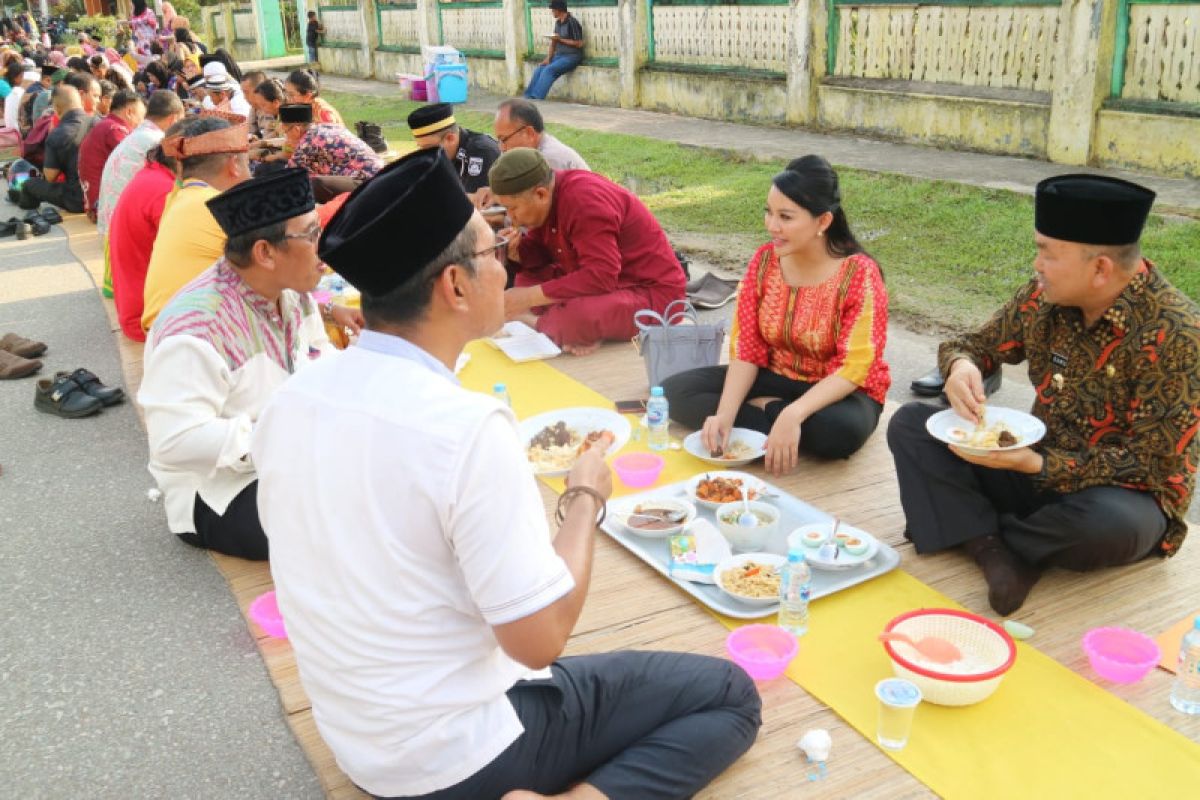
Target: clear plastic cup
<point x="898" y="701"/>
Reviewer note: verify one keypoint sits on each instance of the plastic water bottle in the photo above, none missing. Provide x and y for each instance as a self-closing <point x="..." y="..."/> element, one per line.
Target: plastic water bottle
<point x="658" y="420"/>
<point x="795" y="588"/>
<point x="1185" y="692"/>
<point x="500" y="392"/>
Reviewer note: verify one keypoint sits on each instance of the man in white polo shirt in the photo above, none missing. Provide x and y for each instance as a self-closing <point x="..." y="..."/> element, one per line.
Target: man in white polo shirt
<point x="425" y="598"/>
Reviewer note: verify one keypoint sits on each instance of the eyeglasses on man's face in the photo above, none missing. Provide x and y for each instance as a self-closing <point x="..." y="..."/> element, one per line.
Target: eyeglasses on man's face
<point x="504" y="139"/>
<point x="311" y="234"/>
<point x="497" y="250"/>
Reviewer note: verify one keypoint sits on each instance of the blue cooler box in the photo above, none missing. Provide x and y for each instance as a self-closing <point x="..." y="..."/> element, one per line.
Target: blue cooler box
<point x="451" y="82"/>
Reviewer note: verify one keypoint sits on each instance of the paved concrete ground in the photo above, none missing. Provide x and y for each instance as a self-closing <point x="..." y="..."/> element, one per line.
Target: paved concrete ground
<point x="126" y="670"/>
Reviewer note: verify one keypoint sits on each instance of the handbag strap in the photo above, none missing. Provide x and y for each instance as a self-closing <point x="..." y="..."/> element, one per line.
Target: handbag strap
<point x="648" y="318"/>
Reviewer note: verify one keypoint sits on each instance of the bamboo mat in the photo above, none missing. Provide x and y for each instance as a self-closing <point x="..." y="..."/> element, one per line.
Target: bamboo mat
<point x="630" y="606"/>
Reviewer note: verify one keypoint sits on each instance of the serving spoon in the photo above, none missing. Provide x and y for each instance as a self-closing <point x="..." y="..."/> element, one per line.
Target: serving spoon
<point x="935" y="648"/>
<point x="746" y="519"/>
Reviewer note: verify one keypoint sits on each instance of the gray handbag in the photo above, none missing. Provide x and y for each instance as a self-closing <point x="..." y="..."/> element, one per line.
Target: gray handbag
<point x="675" y="341"/>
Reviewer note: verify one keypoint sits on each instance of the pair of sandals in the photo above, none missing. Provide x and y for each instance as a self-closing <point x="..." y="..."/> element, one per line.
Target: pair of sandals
<point x="36" y="223"/>
<point x="75" y="394"/>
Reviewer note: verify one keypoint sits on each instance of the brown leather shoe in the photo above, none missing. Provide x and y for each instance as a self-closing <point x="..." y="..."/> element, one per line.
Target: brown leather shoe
<point x="13" y="366"/>
<point x="19" y="345"/>
<point x="1008" y="577"/>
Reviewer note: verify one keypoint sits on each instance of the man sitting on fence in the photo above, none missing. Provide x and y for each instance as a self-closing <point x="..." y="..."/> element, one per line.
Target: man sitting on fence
<point x="591" y="257"/>
<point x="471" y="154"/>
<point x="564" y="55"/>
<point x="1114" y="353"/>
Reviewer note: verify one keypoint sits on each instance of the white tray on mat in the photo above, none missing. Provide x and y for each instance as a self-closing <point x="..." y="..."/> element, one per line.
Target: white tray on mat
<point x="794" y="513"/>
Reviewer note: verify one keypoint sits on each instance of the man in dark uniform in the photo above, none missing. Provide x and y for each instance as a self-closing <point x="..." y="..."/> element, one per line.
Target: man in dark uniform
<point x="62" y="157"/>
<point x="471" y="153"/>
<point x="1114" y="354"/>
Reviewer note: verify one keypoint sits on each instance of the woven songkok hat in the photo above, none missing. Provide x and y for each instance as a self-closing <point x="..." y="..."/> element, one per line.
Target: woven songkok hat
<point x="258" y="203"/>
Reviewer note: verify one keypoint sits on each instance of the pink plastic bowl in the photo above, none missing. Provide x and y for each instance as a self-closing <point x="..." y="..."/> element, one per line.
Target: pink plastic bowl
<point x="637" y="470"/>
<point x="265" y="613"/>
<point x="764" y="651"/>
<point x="1119" y="654"/>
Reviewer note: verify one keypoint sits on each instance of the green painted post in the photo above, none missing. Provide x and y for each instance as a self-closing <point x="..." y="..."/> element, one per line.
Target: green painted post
<point x="650" y="26"/>
<point x="832" y="23"/>
<point x="528" y="29"/>
<point x="441" y="33"/>
<point x="1122" y="48"/>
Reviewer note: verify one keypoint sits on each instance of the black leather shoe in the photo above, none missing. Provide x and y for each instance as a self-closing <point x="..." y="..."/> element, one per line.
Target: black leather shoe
<point x="929" y="384"/>
<point x="63" y="397"/>
<point x="89" y="383"/>
<point x="50" y="214"/>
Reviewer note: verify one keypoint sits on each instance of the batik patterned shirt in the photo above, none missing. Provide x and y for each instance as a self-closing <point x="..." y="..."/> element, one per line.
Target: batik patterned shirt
<point x="125" y="161"/>
<point x="807" y="333"/>
<point x="214" y="357"/>
<point x="1120" y="398"/>
<point x="333" y="150"/>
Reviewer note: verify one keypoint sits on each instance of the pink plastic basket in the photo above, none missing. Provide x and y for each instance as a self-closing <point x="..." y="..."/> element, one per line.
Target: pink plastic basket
<point x="1119" y="654"/>
<point x="265" y="613"/>
<point x="419" y="91"/>
<point x="764" y="651"/>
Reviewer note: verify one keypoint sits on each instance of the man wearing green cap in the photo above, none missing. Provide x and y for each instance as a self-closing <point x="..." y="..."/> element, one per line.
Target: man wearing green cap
<point x="590" y="257"/>
<point x="1114" y="355"/>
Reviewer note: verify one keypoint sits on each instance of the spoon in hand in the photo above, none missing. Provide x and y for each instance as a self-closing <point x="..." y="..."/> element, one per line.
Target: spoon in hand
<point x="934" y="648"/>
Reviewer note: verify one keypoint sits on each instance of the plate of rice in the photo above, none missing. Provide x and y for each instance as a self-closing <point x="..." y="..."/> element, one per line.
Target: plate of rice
<point x="555" y="439"/>
<point x="751" y="578"/>
<point x="1000" y="429"/>
<point x="745" y="446"/>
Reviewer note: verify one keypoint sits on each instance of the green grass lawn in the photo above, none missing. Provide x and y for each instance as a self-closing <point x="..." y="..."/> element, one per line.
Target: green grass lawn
<point x="950" y="253"/>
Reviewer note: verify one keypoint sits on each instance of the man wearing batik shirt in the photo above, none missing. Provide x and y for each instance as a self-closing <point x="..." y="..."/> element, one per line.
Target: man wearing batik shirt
<point x="1114" y="355"/>
<point x="219" y="350"/>
<point x="336" y="159"/>
<point x="591" y="257"/>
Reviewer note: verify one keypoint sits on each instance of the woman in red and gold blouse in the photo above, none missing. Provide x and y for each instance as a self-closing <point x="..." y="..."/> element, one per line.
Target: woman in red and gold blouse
<point x="806" y="352"/>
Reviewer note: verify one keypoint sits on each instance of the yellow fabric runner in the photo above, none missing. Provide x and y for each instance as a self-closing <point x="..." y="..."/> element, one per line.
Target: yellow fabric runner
<point x="1046" y="732"/>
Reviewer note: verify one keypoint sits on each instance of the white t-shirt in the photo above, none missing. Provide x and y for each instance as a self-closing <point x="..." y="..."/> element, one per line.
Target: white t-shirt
<point x="11" y="105"/>
<point x="404" y="522"/>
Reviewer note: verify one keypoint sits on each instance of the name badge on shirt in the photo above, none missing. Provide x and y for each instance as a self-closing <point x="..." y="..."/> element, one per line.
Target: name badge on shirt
<point x="474" y="166"/>
<point x="1058" y="359"/>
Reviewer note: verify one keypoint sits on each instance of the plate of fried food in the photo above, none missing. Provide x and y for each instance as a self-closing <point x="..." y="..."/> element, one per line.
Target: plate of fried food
<point x="712" y="489"/>
<point x="555" y="439"/>
<point x="999" y="429"/>
<point x="744" y="446"/>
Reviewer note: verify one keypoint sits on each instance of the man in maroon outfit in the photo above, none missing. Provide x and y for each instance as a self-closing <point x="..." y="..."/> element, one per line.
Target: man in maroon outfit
<point x="591" y="255"/>
<point x="126" y="113"/>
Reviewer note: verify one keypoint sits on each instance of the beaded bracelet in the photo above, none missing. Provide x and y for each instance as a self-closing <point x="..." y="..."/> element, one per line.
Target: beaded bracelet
<point x="560" y="514"/>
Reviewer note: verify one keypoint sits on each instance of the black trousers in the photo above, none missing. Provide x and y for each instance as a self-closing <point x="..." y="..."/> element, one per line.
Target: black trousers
<point x="237" y="532"/>
<point x="836" y="431"/>
<point x="947" y="501"/>
<point x="639" y="725"/>
<point x="68" y="197"/>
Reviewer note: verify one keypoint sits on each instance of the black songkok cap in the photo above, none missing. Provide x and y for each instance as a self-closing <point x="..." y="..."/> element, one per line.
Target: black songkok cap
<point x="296" y="112"/>
<point x="262" y="202"/>
<point x="48" y="70"/>
<point x="392" y="226"/>
<point x="558" y="5"/>
<point x="1091" y="209"/>
<point x="431" y="119"/>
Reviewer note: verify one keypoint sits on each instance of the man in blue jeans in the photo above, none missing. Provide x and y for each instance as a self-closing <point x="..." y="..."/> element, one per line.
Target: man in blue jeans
<point x="566" y="51"/>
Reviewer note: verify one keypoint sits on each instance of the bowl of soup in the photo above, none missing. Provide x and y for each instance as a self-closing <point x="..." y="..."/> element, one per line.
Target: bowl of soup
<point x="747" y="538"/>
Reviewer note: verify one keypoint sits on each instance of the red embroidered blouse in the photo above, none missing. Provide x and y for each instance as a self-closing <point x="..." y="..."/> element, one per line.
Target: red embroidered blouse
<point x="806" y="333"/>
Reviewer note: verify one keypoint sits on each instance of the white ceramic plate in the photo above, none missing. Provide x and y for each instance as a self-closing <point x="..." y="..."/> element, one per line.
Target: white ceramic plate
<point x="752" y="439"/>
<point x="622" y="509"/>
<point x="843" y="560"/>
<point x="582" y="420"/>
<point x="749" y="482"/>
<point x="950" y="428"/>
<point x="770" y="559"/>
